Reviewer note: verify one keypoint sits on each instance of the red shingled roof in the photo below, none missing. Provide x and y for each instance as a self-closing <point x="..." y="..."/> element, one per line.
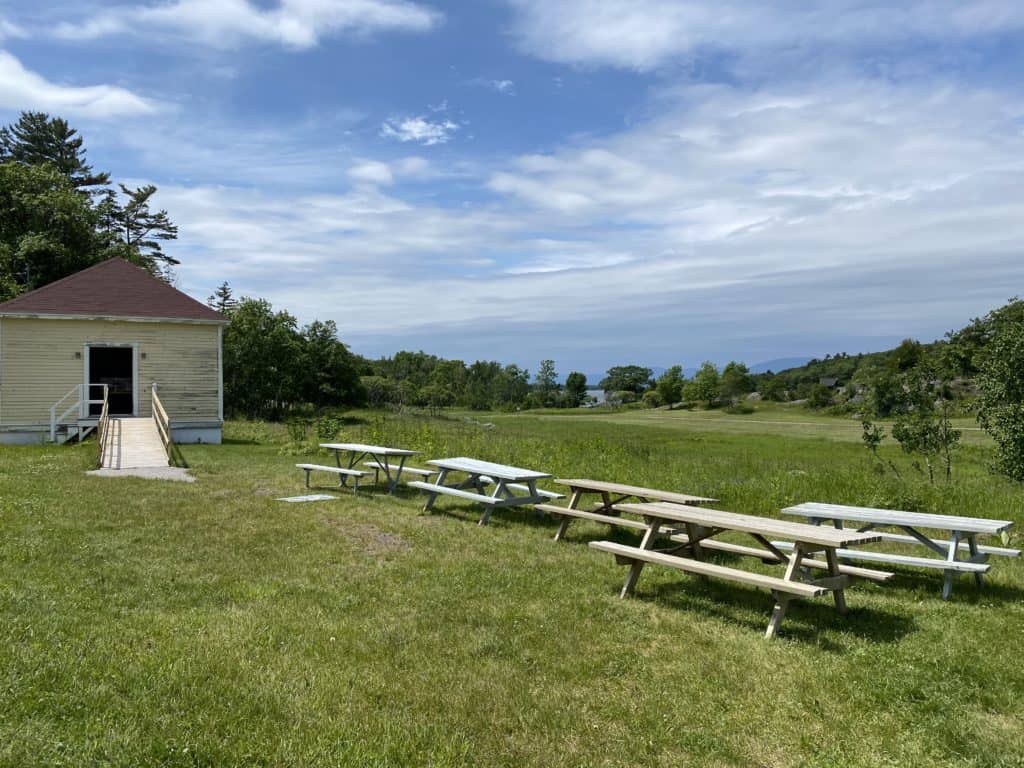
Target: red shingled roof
<point x="112" y="288"/>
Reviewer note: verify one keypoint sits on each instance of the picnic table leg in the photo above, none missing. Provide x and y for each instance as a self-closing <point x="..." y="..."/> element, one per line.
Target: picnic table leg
<point x="833" y="570"/>
<point x="485" y="518"/>
<point x="951" y="556"/>
<point x="972" y="543"/>
<point x="307" y="478"/>
<point x="430" y="495"/>
<point x="563" y="525"/>
<point x="782" y="600"/>
<point x="634" y="570"/>
<point x="393" y="483"/>
<point x="778" y="614"/>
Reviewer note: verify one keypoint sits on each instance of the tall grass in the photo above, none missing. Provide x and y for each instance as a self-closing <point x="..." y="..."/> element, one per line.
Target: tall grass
<point x="150" y="623"/>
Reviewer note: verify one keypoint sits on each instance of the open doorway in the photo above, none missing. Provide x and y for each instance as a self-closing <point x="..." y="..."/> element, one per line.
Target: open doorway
<point x="113" y="366"/>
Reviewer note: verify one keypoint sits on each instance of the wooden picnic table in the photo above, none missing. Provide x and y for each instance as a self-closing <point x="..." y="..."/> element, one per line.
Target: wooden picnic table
<point x="513" y="486"/>
<point x="379" y="462"/>
<point x="702" y="525"/>
<point x="612" y="495"/>
<point x="964" y="533"/>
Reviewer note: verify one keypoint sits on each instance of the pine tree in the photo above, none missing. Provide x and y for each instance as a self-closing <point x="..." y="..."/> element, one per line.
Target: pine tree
<point x="137" y="232"/>
<point x="38" y="138"/>
<point x="223" y="299"/>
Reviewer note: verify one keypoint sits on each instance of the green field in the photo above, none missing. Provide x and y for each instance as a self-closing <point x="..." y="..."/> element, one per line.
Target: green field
<point x="150" y="623"/>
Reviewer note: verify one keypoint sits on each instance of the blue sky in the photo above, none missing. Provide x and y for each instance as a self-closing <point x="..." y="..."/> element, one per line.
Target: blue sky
<point x="596" y="181"/>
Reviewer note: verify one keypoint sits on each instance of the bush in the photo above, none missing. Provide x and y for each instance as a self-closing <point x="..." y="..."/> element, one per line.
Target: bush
<point x="1001" y="400"/>
<point x="742" y="408"/>
<point x="652" y="399"/>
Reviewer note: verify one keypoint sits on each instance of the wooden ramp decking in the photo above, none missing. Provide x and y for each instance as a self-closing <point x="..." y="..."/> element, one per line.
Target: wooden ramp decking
<point x="133" y="443"/>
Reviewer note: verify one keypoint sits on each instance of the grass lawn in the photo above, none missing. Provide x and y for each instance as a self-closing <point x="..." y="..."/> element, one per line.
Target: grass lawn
<point x="151" y="623"/>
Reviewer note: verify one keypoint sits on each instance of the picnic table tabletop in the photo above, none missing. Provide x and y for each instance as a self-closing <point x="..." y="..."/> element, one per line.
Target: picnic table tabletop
<point x="377" y="450"/>
<point x="819" y="511"/>
<point x="767" y="527"/>
<point x="490" y="469"/>
<point x="627" y="491"/>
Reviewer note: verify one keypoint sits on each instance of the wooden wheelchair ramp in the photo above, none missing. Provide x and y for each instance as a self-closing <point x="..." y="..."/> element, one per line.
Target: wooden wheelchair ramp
<point x="133" y="443"/>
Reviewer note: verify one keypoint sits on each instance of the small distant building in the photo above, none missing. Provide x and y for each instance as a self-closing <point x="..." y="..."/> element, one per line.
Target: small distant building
<point x="114" y="324"/>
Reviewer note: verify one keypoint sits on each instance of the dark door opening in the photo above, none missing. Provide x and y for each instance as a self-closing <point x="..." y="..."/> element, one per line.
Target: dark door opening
<point x="112" y="366"/>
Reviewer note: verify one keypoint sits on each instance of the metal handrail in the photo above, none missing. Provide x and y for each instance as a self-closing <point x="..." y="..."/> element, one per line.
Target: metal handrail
<point x="55" y="420"/>
<point x="163" y="424"/>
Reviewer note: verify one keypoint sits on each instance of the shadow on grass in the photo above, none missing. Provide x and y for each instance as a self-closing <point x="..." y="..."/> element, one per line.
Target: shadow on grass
<point x="805" y="619"/>
<point x="927" y="585"/>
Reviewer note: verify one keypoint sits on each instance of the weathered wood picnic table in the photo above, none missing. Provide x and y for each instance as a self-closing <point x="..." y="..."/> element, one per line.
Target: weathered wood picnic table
<point x="612" y="494"/>
<point x="963" y="531"/>
<point x="701" y="525"/>
<point x="379" y="461"/>
<point x="513" y="486"/>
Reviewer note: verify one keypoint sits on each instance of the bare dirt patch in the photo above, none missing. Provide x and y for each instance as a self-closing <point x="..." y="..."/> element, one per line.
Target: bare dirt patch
<point x="368" y="538"/>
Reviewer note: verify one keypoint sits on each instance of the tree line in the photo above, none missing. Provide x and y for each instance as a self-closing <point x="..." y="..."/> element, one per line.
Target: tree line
<point x="58" y="215"/>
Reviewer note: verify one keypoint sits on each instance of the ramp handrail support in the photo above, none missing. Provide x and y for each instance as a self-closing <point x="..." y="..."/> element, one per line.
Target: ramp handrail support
<point x="163" y="424"/>
<point x="55" y="420"/>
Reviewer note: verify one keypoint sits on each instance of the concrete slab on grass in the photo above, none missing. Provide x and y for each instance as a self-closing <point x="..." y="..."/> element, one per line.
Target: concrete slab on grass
<point x="311" y="497"/>
<point x="177" y="474"/>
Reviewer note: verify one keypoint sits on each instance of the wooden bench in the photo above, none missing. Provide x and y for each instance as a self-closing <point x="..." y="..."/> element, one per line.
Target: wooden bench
<point x="341" y="472"/>
<point x="626" y="555"/>
<point x="447" y="490"/>
<point x="378" y="467"/>
<point x="960" y="566"/>
<point x="539" y="491"/>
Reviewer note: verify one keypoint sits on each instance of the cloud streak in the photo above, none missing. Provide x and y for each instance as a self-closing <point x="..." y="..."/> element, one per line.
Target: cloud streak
<point x="21" y="88"/>
<point x="646" y="34"/>
<point x="295" y="24"/>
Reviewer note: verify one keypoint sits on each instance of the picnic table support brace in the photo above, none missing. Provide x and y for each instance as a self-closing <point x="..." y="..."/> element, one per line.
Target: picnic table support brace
<point x="432" y="496"/>
<point x="638" y="565"/>
<point x="563" y="526"/>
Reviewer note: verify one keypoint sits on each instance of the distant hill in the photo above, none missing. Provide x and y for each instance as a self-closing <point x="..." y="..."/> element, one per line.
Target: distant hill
<point x="780" y="364"/>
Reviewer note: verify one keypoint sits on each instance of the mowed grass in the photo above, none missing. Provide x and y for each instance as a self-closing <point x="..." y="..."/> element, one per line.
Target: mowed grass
<point x="150" y="623"/>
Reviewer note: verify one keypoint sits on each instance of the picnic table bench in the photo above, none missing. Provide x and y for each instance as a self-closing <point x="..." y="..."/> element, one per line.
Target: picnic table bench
<point x="513" y="486"/>
<point x="606" y="510"/>
<point x="963" y="532"/>
<point x="378" y="460"/>
<point x="702" y="525"/>
<point x="342" y="473"/>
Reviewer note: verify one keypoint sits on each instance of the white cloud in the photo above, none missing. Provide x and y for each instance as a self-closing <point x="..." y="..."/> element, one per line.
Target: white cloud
<point x="22" y="89"/>
<point x="295" y="24"/>
<point x="875" y="209"/>
<point x="504" y="87"/>
<point x="644" y="34"/>
<point x="9" y="29"/>
<point x="419" y="129"/>
<point x="371" y="172"/>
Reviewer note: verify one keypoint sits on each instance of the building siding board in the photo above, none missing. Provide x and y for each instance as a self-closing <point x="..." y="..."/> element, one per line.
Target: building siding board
<point x="38" y="365"/>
